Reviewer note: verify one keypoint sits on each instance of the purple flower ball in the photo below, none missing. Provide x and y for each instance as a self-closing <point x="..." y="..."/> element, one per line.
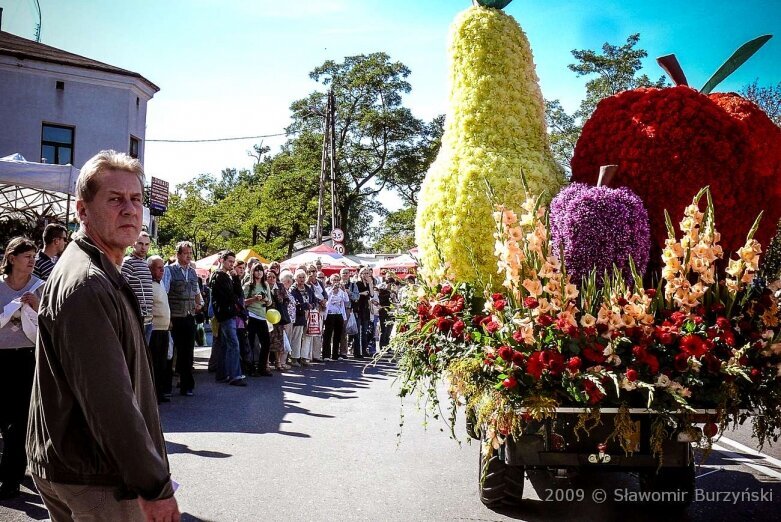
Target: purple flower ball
<point x="598" y="227"/>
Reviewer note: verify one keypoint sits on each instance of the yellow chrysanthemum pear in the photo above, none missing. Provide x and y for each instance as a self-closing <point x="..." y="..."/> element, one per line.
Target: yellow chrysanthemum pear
<point x="495" y="130"/>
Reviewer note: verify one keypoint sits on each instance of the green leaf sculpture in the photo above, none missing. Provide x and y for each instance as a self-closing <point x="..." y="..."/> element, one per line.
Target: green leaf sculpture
<point x="495" y="4"/>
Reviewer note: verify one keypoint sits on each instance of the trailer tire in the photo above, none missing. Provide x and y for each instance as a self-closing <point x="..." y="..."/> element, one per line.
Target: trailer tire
<point x="680" y="480"/>
<point x="501" y="484"/>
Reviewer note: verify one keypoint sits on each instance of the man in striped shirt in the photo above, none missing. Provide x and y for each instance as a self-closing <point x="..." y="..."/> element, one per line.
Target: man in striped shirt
<point x="136" y="271"/>
<point x="55" y="239"/>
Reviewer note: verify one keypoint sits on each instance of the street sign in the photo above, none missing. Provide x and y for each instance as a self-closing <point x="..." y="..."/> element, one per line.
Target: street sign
<point x="158" y="196"/>
<point x="340" y="248"/>
<point x="337" y="235"/>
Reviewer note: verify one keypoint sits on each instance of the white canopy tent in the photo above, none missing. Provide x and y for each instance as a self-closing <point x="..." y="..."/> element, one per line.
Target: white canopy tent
<point x="35" y="190"/>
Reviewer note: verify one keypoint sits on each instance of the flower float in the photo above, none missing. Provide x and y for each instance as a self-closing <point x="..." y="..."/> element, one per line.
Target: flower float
<point x="494" y="134"/>
<point x="545" y="341"/>
<point x="670" y="142"/>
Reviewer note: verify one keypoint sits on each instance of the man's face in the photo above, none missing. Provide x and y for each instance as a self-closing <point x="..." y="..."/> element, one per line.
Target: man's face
<point x="311" y="275"/>
<point x="185" y="256"/>
<point x="228" y="262"/>
<point x="60" y="242"/>
<point x="157" y="268"/>
<point x="113" y="217"/>
<point x="239" y="269"/>
<point x="141" y="247"/>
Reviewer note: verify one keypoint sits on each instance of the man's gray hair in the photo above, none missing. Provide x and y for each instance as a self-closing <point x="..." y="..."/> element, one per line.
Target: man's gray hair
<point x="152" y="259"/>
<point x="88" y="183"/>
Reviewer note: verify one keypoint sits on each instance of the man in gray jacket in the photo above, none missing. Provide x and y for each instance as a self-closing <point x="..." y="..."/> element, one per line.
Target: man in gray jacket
<point x="95" y="443"/>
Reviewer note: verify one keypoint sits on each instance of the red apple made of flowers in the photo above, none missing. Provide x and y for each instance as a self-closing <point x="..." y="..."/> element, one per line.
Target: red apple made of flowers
<point x="670" y="142"/>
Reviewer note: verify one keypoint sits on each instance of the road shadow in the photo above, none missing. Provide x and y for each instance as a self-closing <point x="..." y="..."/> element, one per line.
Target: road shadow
<point x="721" y="494"/>
<point x="28" y="502"/>
<point x="262" y="406"/>
<point x="174" y="448"/>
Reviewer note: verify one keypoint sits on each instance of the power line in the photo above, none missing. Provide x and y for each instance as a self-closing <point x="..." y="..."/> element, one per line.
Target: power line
<point x="220" y="139"/>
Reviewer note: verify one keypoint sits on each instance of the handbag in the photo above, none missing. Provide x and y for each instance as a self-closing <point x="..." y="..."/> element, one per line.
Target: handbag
<point x="352" y="325"/>
<point x="313" y="323"/>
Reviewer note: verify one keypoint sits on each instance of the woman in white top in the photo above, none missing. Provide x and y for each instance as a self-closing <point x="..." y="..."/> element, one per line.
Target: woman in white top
<point x="20" y="294"/>
<point x="337" y="299"/>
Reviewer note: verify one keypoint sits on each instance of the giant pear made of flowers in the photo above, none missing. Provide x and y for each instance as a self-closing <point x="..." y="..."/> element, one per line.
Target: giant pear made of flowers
<point x="495" y="136"/>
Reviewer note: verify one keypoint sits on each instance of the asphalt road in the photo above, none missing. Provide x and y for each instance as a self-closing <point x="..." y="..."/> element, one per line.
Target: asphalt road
<point x="323" y="444"/>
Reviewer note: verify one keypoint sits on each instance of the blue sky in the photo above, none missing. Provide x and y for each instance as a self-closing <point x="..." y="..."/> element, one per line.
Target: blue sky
<point x="231" y="67"/>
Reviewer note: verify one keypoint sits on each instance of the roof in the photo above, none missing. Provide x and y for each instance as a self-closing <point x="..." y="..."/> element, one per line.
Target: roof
<point x="24" y="49"/>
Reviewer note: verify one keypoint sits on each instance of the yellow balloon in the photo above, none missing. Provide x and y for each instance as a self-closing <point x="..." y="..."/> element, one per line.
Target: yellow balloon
<point x="273" y="316"/>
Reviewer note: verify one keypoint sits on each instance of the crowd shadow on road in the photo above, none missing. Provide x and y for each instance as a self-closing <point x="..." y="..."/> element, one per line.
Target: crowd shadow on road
<point x="267" y="404"/>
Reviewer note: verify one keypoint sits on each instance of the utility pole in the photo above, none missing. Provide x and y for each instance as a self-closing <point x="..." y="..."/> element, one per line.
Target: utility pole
<point x="332" y="113"/>
<point x="327" y="168"/>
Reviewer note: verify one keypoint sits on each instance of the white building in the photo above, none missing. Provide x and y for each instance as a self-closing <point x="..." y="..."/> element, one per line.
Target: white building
<point x="63" y="108"/>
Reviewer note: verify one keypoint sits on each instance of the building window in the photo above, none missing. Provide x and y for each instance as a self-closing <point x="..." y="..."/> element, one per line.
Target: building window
<point x="57" y="144"/>
<point x="134" y="142"/>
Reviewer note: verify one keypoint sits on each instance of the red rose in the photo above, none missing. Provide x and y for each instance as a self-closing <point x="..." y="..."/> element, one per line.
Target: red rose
<point x="518" y="358"/>
<point x="594" y="353"/>
<point x="531" y="303"/>
<point x="500" y="305"/>
<point x="518" y="337"/>
<point x="510" y="382"/>
<point x="729" y="338"/>
<point x="492" y="327"/>
<point x="545" y="320"/>
<point x="477" y="320"/>
<point x="678" y="318"/>
<point x="506" y="353"/>
<point x="697" y="319"/>
<point x="438" y="310"/>
<point x="574" y="364"/>
<point x="458" y="328"/>
<point x="651" y="292"/>
<point x="681" y="362"/>
<point x="447" y="289"/>
<point x="631" y="375"/>
<point x="756" y="374"/>
<point x="653" y="364"/>
<point x="723" y="323"/>
<point x="444" y="324"/>
<point x="423" y="310"/>
<point x="496" y="297"/>
<point x="555" y="362"/>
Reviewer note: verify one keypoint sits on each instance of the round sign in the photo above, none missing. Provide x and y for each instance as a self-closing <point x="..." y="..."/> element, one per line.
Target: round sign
<point x="337" y="235"/>
<point x="339" y="248"/>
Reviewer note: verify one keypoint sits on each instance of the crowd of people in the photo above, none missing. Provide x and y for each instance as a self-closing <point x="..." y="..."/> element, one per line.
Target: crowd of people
<point x="85" y="389"/>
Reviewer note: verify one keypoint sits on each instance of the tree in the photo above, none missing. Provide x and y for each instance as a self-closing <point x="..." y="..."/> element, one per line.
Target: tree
<point x="768" y="98"/>
<point x="373" y="131"/>
<point x="412" y="161"/>
<point x="397" y="231"/>
<point x="616" y="69"/>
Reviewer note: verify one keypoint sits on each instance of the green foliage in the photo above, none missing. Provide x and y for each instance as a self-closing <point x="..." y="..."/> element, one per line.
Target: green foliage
<point x="397" y="232"/>
<point x="768" y="98"/>
<point x="616" y="69"/>
<point x="377" y="139"/>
